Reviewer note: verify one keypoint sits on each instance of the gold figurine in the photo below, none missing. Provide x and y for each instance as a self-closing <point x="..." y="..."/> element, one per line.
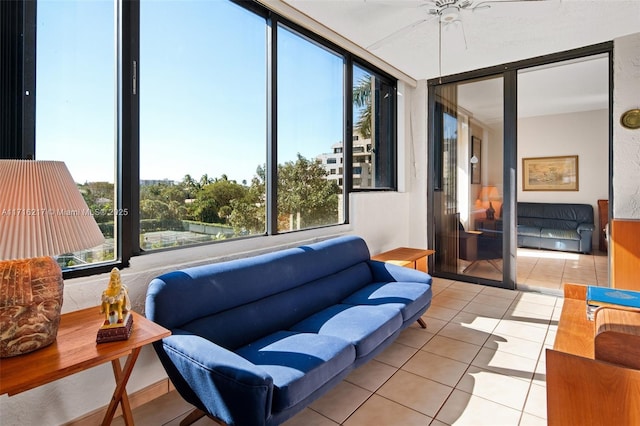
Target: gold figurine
<point x="115" y="307"/>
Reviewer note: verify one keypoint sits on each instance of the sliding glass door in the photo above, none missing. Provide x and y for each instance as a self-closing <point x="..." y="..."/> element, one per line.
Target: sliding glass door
<point x="483" y="126"/>
<point x="468" y="189"/>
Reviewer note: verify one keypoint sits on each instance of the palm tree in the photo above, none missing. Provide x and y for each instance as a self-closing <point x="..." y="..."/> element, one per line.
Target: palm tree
<point x="362" y="100"/>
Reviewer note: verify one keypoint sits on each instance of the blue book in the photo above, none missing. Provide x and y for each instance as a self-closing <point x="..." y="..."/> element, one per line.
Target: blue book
<point x="605" y="296"/>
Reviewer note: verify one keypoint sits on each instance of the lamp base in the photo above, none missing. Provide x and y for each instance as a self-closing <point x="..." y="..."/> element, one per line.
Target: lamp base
<point x="30" y="304"/>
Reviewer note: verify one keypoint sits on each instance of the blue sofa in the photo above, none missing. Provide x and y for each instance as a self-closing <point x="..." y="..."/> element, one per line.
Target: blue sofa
<point x="256" y="340"/>
<point x="555" y="226"/>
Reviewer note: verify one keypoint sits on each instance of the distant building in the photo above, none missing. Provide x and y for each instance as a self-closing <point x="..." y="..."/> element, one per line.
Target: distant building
<point x="362" y="165"/>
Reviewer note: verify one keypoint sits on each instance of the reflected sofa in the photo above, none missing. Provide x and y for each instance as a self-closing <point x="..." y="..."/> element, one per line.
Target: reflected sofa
<point x="255" y="340"/>
<point x="555" y="226"/>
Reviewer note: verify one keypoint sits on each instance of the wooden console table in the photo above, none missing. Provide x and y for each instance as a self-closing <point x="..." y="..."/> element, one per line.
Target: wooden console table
<point x="74" y="350"/>
<point x="404" y="256"/>
<point x="582" y="390"/>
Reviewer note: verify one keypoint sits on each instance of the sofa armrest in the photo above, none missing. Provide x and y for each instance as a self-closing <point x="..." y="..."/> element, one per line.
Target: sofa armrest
<point x="230" y="387"/>
<point x="585" y="227"/>
<point x="383" y="271"/>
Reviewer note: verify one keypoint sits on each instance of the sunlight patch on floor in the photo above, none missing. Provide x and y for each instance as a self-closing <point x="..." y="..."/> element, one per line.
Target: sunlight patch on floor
<point x="548" y="254"/>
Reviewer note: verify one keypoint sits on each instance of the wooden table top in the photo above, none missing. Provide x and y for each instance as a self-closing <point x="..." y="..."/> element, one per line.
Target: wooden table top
<point x="75" y="349"/>
<point x="401" y="254"/>
<point x="575" y="333"/>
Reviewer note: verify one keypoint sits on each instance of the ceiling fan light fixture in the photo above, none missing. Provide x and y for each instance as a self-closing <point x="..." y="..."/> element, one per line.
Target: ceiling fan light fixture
<point x="449" y="14"/>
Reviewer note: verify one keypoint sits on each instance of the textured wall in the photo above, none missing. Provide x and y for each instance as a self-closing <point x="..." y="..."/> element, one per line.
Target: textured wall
<point x="626" y="142"/>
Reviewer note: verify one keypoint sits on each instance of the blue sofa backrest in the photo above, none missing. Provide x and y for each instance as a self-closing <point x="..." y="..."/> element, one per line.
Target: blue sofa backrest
<point x="554" y="215"/>
<point x="226" y="302"/>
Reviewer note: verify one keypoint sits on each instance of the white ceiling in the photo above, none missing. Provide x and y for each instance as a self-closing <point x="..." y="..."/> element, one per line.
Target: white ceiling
<point x="502" y="33"/>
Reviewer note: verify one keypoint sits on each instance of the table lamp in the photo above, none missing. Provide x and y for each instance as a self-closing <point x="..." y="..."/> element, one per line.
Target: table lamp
<point x="42" y="214"/>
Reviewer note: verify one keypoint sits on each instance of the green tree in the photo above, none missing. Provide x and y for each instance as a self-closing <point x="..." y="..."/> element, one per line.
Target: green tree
<point x="305" y="199"/>
<point x="362" y="100"/>
<point x="213" y="201"/>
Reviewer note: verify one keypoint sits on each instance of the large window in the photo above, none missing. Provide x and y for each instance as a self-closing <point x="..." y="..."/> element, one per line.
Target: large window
<point x="76" y="110"/>
<point x="202" y="122"/>
<point x="374" y="130"/>
<point x="193" y="122"/>
<point x="310" y="122"/>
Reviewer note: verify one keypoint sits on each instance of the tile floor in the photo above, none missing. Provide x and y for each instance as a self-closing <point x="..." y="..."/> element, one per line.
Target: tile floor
<point x="548" y="270"/>
<point x="481" y="361"/>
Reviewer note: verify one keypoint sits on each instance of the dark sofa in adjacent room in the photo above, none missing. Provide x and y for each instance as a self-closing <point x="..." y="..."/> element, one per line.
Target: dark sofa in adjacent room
<point x="555" y="226"/>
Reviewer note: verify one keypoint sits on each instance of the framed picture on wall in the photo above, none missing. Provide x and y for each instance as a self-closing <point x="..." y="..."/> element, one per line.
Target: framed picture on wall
<point x="550" y="173"/>
<point x="476" y="159"/>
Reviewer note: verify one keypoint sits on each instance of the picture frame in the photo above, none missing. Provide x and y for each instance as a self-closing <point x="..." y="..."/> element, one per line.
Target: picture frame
<point x="550" y="173"/>
<point x="476" y="151"/>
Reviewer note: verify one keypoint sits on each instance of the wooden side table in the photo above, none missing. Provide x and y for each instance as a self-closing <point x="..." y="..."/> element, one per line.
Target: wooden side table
<point x="581" y="389"/>
<point x="74" y="350"/>
<point x="404" y="256"/>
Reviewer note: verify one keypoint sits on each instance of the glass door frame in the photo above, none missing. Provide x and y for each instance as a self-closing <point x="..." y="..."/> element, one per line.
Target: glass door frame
<point x="509" y="73"/>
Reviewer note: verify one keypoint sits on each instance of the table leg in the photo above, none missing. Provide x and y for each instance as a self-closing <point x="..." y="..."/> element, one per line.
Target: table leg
<point x="120" y="393"/>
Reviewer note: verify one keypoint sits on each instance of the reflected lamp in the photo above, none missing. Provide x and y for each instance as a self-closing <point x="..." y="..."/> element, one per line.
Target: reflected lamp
<point x="42" y="214"/>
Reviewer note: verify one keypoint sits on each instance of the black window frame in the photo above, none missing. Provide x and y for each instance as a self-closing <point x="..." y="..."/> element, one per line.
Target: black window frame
<point x="19" y="56"/>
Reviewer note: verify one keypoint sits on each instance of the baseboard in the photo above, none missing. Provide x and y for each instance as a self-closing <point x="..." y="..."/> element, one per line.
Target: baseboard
<point x="136" y="399"/>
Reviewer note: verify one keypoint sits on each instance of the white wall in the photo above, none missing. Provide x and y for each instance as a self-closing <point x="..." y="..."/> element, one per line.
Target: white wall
<point x="585" y="134"/>
<point x="626" y="142"/>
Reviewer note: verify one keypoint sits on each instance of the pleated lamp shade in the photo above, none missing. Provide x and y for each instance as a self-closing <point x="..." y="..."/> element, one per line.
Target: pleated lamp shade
<point x="42" y="212"/>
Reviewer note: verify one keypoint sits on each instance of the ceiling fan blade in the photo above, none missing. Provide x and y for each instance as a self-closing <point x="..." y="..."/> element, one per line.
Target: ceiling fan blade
<point x="402" y="31"/>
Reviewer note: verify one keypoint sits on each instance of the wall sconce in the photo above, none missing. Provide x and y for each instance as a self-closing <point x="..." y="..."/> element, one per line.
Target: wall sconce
<point x="42" y="214"/>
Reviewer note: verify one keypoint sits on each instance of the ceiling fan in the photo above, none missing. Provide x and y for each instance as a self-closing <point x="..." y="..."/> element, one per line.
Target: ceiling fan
<point x="446" y="12"/>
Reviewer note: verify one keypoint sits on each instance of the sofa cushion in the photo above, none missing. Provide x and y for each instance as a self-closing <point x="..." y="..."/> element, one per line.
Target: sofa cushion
<point x="247" y="280"/>
<point x="528" y="231"/>
<point x="240" y="325"/>
<point x="365" y="327"/>
<point x="408" y="297"/>
<point x="299" y="363"/>
<point x="559" y="234"/>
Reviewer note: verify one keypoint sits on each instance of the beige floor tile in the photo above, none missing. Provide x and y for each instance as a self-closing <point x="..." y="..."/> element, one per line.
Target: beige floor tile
<point x="371" y="375"/>
<point x="438" y="312"/>
<point x="530" y="420"/>
<point x="519" y="329"/>
<point x="464" y="409"/>
<point x="492" y="300"/>
<point x="434" y="325"/>
<point x="451" y="348"/>
<point x="476" y="322"/>
<point x="381" y="411"/>
<point x="458" y="294"/>
<point x="505" y="363"/>
<point x="435" y="367"/>
<point x="448" y="302"/>
<point x="415" y="337"/>
<point x="523" y="305"/>
<point x="537" y="401"/>
<point x="495" y="387"/>
<point x="500" y="292"/>
<point x="415" y="392"/>
<point x="308" y="417"/>
<point x="468" y="287"/>
<point x="396" y="354"/>
<point x="464" y="333"/>
<point x="515" y="346"/>
<point x="341" y="401"/>
<point x="534" y="319"/>
<point x="486" y="310"/>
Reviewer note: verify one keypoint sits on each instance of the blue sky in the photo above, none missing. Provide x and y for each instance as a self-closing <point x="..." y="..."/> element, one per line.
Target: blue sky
<point x="202" y="86"/>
